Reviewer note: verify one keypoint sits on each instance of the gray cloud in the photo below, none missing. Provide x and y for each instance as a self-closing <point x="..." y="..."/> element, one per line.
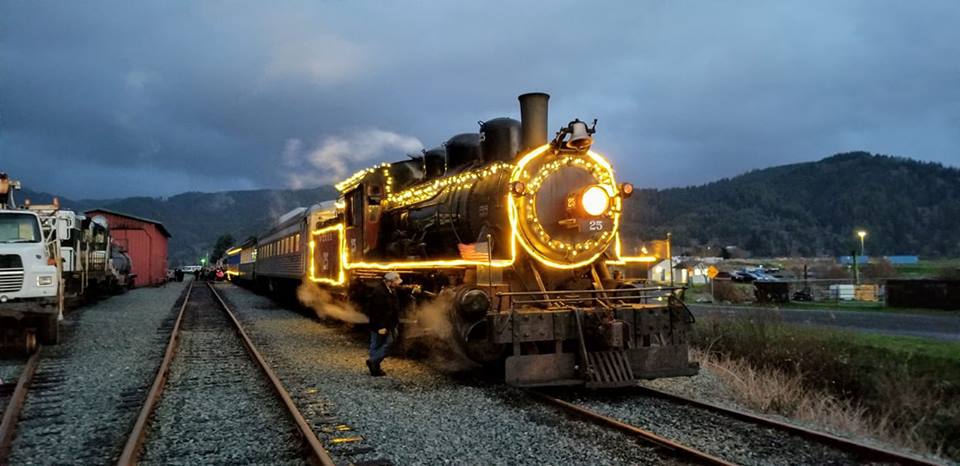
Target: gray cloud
<point x="153" y="98"/>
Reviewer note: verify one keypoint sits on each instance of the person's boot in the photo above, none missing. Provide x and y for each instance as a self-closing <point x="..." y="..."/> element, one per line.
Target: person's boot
<point x="378" y="372"/>
<point x="372" y="368"/>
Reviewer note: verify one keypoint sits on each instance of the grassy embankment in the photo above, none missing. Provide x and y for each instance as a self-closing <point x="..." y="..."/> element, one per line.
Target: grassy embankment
<point x="935" y="268"/>
<point x="901" y="390"/>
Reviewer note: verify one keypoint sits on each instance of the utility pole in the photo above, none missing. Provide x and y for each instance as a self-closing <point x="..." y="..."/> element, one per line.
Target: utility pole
<point x="862" y="234"/>
<point x="670" y="256"/>
<point x="856" y="268"/>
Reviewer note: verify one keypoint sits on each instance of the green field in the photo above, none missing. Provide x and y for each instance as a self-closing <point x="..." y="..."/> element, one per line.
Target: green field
<point x="929" y="269"/>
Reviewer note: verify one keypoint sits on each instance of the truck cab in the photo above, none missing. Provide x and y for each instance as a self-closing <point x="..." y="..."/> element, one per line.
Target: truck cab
<point x="29" y="277"/>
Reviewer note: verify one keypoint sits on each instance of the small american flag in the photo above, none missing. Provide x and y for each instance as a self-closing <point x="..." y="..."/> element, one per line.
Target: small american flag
<point x="474" y="251"/>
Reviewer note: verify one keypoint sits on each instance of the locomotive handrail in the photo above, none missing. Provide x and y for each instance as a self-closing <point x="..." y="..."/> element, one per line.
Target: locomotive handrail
<point x="561" y="298"/>
<point x="583" y="299"/>
<point x="576" y="292"/>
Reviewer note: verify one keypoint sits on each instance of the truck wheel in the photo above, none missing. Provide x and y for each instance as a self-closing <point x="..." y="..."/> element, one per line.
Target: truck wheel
<point x="49" y="330"/>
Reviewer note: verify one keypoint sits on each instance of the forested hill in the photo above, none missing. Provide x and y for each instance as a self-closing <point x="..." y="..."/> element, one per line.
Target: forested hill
<point x="907" y="207"/>
<point x="196" y="219"/>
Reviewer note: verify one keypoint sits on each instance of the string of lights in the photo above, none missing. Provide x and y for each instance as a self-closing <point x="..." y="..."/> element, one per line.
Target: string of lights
<point x="430" y="189"/>
<point x="576" y="254"/>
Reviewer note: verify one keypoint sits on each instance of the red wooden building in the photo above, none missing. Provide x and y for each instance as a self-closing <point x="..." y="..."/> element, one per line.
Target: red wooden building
<point x="144" y="240"/>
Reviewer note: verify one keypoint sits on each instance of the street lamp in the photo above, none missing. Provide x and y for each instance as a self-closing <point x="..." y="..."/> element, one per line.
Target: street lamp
<point x="862" y="234"/>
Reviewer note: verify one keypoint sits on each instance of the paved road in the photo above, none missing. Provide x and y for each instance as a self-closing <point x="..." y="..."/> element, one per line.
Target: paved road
<point x="940" y="327"/>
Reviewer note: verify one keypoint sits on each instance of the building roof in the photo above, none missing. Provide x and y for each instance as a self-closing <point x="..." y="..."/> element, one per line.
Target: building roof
<point x="159" y="224"/>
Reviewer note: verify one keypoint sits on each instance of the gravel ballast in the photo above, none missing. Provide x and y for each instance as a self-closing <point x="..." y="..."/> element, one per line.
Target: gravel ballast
<point x="87" y="390"/>
<point x="416" y="414"/>
<point x="217" y="407"/>
<point x="10" y="370"/>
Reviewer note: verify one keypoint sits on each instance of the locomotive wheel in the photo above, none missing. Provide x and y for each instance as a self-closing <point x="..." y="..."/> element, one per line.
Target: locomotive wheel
<point x="474" y="339"/>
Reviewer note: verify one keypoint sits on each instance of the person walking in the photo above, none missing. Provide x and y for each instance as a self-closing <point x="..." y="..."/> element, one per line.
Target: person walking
<point x="383" y="309"/>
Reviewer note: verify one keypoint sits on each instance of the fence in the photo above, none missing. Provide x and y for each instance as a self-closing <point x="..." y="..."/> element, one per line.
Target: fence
<point x="781" y="291"/>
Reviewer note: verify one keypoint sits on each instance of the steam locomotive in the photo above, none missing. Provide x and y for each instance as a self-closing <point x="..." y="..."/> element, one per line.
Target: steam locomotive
<point x="514" y="234"/>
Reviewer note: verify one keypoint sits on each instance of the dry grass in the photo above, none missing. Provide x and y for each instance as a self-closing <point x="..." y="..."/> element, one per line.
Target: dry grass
<point x="779" y="392"/>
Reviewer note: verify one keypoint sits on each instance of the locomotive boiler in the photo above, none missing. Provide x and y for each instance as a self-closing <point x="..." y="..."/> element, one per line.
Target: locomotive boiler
<point x="514" y="233"/>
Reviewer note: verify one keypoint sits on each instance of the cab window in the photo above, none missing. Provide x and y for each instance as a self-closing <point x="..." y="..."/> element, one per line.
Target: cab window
<point x="19" y="228"/>
<point x="354" y="211"/>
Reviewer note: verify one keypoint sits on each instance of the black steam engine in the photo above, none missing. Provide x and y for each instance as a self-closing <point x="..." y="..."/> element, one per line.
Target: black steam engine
<point x="514" y="234"/>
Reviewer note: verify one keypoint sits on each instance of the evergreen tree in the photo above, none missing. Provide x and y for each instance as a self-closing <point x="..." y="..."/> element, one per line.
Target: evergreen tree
<point x="224" y="242"/>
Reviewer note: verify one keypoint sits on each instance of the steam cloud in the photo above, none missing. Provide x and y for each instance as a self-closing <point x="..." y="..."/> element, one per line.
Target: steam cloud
<point x="337" y="156"/>
<point x="328" y="307"/>
<point x="444" y="352"/>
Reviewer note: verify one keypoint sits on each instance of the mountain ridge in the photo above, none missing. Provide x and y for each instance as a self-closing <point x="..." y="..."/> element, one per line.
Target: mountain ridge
<point x="813" y="208"/>
<point x="806" y="208"/>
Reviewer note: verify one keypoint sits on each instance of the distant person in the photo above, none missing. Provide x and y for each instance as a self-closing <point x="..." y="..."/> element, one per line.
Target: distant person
<point x="178" y="274"/>
<point x="383" y="308"/>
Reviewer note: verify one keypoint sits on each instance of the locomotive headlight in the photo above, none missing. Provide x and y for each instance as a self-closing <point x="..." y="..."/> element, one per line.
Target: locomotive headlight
<point x="594" y="201"/>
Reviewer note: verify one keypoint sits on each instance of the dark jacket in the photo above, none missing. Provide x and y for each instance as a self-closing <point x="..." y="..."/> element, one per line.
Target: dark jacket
<point x="383" y="308"/>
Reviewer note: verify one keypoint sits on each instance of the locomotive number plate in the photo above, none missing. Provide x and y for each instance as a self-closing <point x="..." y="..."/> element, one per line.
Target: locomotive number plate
<point x="594" y="225"/>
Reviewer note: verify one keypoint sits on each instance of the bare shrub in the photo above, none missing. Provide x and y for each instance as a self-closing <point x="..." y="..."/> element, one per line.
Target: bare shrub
<point x="879" y="268"/>
<point x="726" y="290"/>
<point x="835" y="272"/>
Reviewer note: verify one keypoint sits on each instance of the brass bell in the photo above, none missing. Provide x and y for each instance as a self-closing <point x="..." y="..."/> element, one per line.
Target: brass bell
<point x="579" y="136"/>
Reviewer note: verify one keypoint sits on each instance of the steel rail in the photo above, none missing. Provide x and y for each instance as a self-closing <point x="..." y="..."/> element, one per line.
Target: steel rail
<point x="11" y="414"/>
<point x="644" y="435"/>
<point x="316" y="449"/>
<point x="131" y="449"/>
<point x="865" y="451"/>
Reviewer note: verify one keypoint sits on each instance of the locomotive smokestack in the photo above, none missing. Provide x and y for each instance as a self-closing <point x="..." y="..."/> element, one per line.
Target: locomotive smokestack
<point x="533" y="120"/>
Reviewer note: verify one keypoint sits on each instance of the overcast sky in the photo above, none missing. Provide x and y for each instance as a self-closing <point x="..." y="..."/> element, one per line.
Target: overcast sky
<point x="111" y="99"/>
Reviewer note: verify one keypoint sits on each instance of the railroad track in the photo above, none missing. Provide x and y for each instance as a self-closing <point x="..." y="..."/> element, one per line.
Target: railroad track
<point x="634" y="431"/>
<point x="864" y="451"/>
<point x="851" y="451"/>
<point x="12" y="397"/>
<point x="211" y="398"/>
